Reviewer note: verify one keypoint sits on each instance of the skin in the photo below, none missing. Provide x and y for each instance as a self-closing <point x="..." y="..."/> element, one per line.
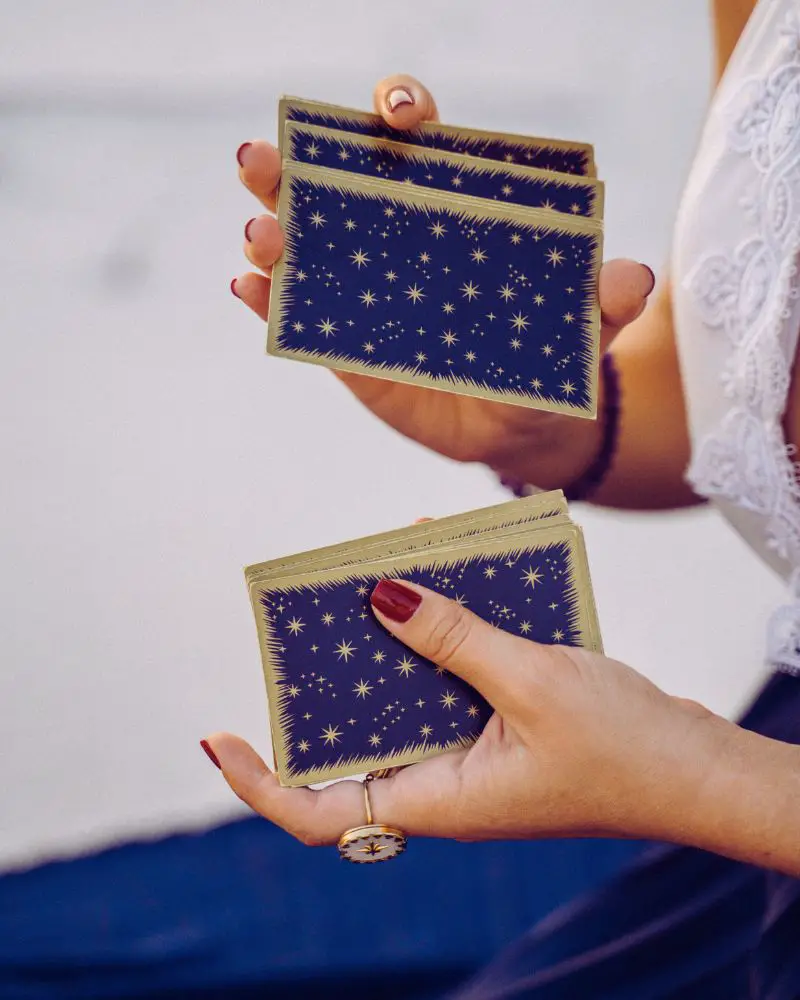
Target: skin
<point x="579" y="744"/>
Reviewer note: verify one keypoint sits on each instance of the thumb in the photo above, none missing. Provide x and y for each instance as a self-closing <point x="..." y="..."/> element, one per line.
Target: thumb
<point x="404" y="102"/>
<point x="498" y="665"/>
<point x="623" y="289"/>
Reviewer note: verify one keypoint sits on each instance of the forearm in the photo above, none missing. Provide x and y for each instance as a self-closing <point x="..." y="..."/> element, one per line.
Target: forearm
<point x="742" y="801"/>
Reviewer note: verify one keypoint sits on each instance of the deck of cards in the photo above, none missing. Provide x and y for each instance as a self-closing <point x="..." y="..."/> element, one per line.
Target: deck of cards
<point x="345" y="696"/>
<point x="443" y="257"/>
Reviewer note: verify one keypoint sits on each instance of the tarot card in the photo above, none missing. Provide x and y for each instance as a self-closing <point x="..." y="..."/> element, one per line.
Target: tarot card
<point x="546" y="506"/>
<point x="346" y="697"/>
<point x="448" y="292"/>
<point x="445" y="171"/>
<point x="547" y="154"/>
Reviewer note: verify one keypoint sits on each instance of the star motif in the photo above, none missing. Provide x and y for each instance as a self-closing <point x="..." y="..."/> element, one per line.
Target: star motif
<point x="388" y="212"/>
<point x="390" y="276"/>
<point x="548" y="205"/>
<point x="490" y="572"/>
<point x="469" y="291"/>
<point x="378" y="656"/>
<point x="303" y="746"/>
<point x="421" y="356"/>
<point x="372" y="848"/>
<point x="525" y="627"/>
<point x="298" y="327"/>
<point x="470" y="356"/>
<point x="449" y="308"/>
<point x="362" y="689"/>
<point x="425" y="731"/>
<point x="424" y="257"/>
<point x="538" y="299"/>
<point x="558" y="635"/>
<point x="362" y="590"/>
<point x="317" y="219"/>
<point x="312" y="150"/>
<point x="437" y="230"/>
<point x="419" y="703"/>
<point x="516" y="239"/>
<point x="359" y="258"/>
<point x="509" y="158"/>
<point x="328" y="618"/>
<point x="331" y="735"/>
<point x="414" y="294"/>
<point x="520" y="322"/>
<point x="555" y="256"/>
<point x="547" y="350"/>
<point x="296" y="626"/>
<point x="368" y="347"/>
<point x="343" y="155"/>
<point x="375" y="740"/>
<point x="301" y="275"/>
<point x="447" y="700"/>
<point x="293" y="690"/>
<point x="405" y="667"/>
<point x="506" y="189"/>
<point x="327" y="327"/>
<point x="532" y="577"/>
<point x="507" y="293"/>
<point x="449" y="338"/>
<point x="569" y="317"/>
<point x="516" y="343"/>
<point x="575" y="208"/>
<point x="314" y="648"/>
<point x="368" y="298"/>
<point x="479" y="256"/>
<point x="567" y="387"/>
<point x="345" y="650"/>
<point x="473" y="711"/>
<point x="456" y="181"/>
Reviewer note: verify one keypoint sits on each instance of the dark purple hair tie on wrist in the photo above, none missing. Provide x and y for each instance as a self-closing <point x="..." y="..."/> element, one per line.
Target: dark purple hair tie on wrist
<point x="585" y="485"/>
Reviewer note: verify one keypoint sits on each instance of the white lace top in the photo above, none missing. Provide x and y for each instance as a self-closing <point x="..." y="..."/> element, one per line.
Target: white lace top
<point x="737" y="300"/>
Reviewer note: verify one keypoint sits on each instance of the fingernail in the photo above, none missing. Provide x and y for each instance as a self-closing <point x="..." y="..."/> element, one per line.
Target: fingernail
<point x="398" y="97"/>
<point x="652" y="278"/>
<point x="233" y="287"/>
<point x="210" y="754"/>
<point x="241" y="151"/>
<point x="395" y="601"/>
<point x="247" y="230"/>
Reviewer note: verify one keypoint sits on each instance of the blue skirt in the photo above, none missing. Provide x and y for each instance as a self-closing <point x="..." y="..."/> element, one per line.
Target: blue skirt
<point x="677" y="923"/>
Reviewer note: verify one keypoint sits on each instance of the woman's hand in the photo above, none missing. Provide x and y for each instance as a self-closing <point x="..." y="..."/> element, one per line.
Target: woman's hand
<point x="578" y="745"/>
<point x="547" y="448"/>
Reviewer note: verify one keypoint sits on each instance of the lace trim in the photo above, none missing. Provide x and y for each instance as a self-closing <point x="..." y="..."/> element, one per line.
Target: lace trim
<point x="749" y="295"/>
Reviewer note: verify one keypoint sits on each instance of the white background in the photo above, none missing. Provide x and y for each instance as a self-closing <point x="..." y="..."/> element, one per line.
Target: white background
<point x="148" y="447"/>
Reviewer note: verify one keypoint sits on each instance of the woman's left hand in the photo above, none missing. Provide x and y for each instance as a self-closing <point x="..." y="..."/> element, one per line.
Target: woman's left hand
<point x="578" y="745"/>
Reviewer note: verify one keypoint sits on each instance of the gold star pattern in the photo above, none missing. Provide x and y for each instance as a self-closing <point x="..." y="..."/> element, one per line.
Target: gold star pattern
<point x="555" y="256"/>
<point x="473" y="711"/>
<point x="469" y="291"/>
<point x="449" y="308"/>
<point x="362" y="689"/>
<point x="558" y="635"/>
<point x="525" y="627"/>
<point x="350" y="225"/>
<point x="296" y="626"/>
<point x="437" y="230"/>
<point x="507" y="293"/>
<point x="375" y="740"/>
<point x="331" y="736"/>
<point x="344" y="650"/>
<point x="414" y="294"/>
<point x="378" y="656"/>
<point x="448" y="700"/>
<point x="532" y="577"/>
<point x="516" y="239"/>
<point x="312" y="150"/>
<point x="405" y="667"/>
<point x="490" y="572"/>
<point x="567" y="387"/>
<point x="479" y="256"/>
<point x="317" y="219"/>
<point x="359" y="258"/>
<point x="303" y="746"/>
<point x="328" y="618"/>
<point x="425" y="731"/>
<point x="538" y="299"/>
<point x="520" y="322"/>
<point x="327" y="327"/>
<point x="449" y="338"/>
<point x="293" y="690"/>
<point x="368" y="298"/>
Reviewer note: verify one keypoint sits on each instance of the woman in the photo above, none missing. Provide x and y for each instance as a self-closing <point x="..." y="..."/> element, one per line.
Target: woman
<point x="580" y="744"/>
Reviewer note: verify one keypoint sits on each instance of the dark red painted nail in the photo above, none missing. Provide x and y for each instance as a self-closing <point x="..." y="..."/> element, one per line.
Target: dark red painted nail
<point x="233" y="287"/>
<point x="247" y="230"/>
<point x="652" y="277"/>
<point x="210" y="754"/>
<point x="395" y="601"/>
<point x="241" y="151"/>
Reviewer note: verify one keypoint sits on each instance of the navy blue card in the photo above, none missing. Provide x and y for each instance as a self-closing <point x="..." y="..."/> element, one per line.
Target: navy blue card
<point x="445" y="171"/>
<point x="442" y="291"/>
<point x="546" y="154"/>
<point x="346" y="697"/>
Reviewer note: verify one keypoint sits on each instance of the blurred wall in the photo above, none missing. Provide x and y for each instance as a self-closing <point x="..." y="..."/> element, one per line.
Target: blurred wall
<point x="148" y="448"/>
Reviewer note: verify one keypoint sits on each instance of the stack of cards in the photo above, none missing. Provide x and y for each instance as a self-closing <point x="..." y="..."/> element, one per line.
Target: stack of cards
<point x="450" y="258"/>
<point x="345" y="696"/>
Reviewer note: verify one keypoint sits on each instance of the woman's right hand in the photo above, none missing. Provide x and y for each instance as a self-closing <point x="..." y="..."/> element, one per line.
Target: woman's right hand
<point x="547" y="448"/>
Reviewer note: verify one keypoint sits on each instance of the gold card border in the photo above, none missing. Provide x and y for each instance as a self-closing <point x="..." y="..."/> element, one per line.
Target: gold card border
<point x="467" y="164"/>
<point x="433" y="129"/>
<point x="463" y="207"/>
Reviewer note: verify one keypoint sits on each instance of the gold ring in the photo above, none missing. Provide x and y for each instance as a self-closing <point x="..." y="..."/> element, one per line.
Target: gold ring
<point x="373" y="842"/>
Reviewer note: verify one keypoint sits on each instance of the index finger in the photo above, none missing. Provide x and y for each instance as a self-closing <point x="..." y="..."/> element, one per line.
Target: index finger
<point x="404" y="102"/>
<point x="260" y="170"/>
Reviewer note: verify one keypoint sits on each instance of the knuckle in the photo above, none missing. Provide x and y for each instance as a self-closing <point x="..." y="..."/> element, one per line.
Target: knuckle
<point x="449" y="634"/>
